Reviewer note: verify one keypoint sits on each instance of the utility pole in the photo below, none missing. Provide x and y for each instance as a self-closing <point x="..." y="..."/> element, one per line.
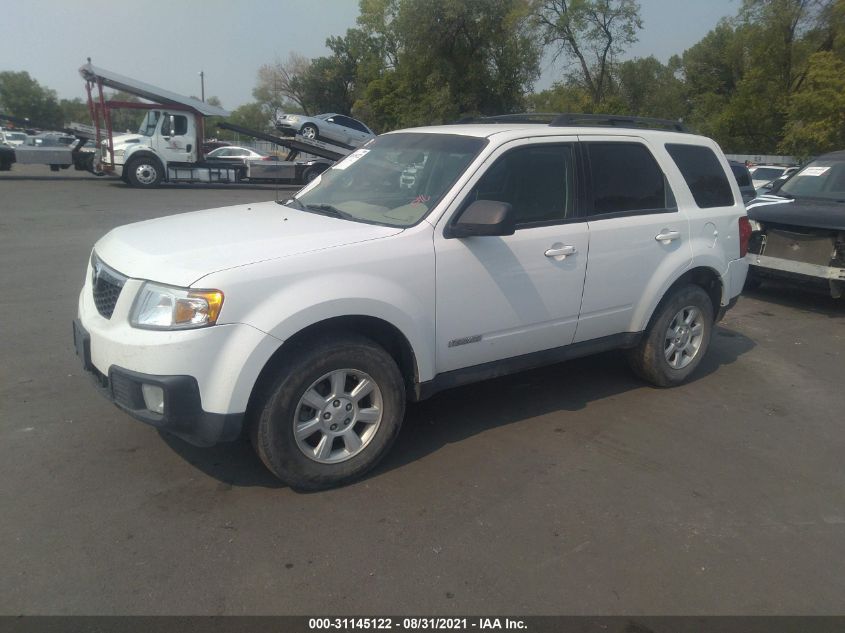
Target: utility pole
<point x="202" y="84"/>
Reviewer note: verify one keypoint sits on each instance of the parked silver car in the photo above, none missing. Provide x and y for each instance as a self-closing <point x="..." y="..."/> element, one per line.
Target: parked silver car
<point x="335" y="128"/>
<point x="242" y="153"/>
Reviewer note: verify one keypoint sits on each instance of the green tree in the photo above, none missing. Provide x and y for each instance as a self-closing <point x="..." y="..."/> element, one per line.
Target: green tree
<point x="279" y="86"/>
<point x="22" y="96"/>
<point x="331" y="84"/>
<point x="816" y="115"/>
<point x="646" y="87"/>
<point x="593" y="33"/>
<point x="75" y="111"/>
<point x="124" y="120"/>
<point x="441" y="59"/>
<point x="741" y="76"/>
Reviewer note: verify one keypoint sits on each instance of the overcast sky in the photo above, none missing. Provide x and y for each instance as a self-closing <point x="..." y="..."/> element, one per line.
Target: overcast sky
<point x="167" y="42"/>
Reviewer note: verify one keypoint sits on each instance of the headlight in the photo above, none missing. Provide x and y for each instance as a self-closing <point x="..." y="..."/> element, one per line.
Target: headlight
<point x="160" y="307"/>
<point x="119" y="153"/>
<point x="293" y="119"/>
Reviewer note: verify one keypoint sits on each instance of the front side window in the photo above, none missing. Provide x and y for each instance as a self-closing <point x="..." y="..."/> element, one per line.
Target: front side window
<point x="626" y="178"/>
<point x="180" y="125"/>
<point x="537" y="181"/>
<point x="395" y="180"/>
<point x="703" y="173"/>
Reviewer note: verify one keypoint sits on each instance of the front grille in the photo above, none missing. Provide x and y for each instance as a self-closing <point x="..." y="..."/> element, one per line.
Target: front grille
<point x="106" y="285"/>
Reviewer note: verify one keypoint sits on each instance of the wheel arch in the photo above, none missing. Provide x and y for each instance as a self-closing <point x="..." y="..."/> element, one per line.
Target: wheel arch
<point x="148" y="154"/>
<point x="379" y="330"/>
<point x="706" y="277"/>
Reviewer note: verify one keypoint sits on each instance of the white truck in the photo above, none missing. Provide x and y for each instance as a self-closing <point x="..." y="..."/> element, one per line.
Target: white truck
<point x="168" y="145"/>
<point x="309" y="325"/>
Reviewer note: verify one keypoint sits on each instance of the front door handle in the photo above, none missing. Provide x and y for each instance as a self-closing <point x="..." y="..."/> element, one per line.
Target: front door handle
<point x="561" y="252"/>
<point x="665" y="236"/>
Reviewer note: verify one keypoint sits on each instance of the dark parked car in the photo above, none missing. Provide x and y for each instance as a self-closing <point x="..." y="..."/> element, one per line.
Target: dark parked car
<point x="799" y="227"/>
<point x="743" y="179"/>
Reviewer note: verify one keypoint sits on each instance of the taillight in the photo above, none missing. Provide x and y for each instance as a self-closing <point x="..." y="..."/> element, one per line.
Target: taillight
<point x="744" y="235"/>
<point x="266" y="158"/>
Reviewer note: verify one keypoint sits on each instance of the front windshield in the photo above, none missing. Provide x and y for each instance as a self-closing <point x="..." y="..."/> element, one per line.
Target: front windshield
<point x="823" y="178"/>
<point x="148" y="125"/>
<point x="396" y="179"/>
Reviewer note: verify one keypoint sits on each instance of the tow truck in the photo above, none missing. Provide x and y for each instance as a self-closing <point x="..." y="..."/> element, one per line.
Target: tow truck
<point x="168" y="144"/>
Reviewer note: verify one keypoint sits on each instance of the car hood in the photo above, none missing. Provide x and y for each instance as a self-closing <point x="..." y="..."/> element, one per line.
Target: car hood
<point x="180" y="249"/>
<point x="814" y="213"/>
<point x="129" y="139"/>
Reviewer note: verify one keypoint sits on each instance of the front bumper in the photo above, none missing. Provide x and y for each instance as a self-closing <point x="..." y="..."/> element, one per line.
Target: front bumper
<point x="207" y="374"/>
<point x="183" y="414"/>
<point x="287" y="129"/>
<point x="778" y="264"/>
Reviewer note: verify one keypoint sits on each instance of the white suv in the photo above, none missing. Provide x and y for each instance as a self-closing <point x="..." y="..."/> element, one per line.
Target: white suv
<point x="311" y="324"/>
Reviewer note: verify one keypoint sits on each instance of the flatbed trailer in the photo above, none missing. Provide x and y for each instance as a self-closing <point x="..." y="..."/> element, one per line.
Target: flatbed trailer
<point x="168" y="145"/>
<point x="57" y="157"/>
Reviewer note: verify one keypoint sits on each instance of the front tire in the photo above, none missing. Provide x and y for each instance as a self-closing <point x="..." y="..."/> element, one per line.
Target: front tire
<point x="143" y="171"/>
<point x="331" y="415"/>
<point x="677" y="338"/>
<point x="309" y="131"/>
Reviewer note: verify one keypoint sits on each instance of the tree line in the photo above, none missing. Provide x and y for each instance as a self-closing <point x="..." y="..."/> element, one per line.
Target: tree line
<point x="770" y="79"/>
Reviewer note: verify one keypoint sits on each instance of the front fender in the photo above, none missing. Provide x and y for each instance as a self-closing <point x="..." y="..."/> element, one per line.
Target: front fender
<point x="284" y="297"/>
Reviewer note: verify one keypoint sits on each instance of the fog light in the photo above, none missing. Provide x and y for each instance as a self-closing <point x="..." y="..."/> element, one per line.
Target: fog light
<point x="153" y="398"/>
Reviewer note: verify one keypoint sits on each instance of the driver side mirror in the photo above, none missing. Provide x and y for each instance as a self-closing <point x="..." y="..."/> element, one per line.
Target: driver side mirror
<point x="484" y="217"/>
<point x="774" y="186"/>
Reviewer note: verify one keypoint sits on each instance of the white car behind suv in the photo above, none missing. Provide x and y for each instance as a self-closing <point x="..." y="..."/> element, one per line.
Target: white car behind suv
<point x="515" y="245"/>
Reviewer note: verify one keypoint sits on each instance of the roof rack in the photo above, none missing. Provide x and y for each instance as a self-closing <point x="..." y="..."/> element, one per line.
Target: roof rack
<point x="540" y="118"/>
<point x="570" y="119"/>
<point x="613" y="120"/>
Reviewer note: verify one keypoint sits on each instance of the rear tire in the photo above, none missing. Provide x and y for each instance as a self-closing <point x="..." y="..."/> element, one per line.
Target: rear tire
<point x="677" y="338"/>
<point x="143" y="171"/>
<point x="313" y="430"/>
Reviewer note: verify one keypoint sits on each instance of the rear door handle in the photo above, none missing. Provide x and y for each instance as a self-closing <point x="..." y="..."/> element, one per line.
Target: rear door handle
<point x="561" y="252"/>
<point x="665" y="236"/>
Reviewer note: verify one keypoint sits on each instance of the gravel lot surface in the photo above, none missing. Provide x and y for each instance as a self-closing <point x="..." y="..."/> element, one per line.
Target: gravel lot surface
<point x="571" y="489"/>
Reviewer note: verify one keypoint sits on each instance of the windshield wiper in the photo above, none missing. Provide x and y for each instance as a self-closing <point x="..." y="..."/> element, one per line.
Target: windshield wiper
<point x="331" y="211"/>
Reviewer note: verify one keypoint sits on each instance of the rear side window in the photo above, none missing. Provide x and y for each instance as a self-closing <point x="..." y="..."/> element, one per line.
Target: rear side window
<point x="703" y="173"/>
<point x="626" y="178"/>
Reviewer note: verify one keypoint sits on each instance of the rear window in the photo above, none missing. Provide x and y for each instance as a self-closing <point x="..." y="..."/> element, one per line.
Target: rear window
<point x="703" y="173"/>
<point x="768" y="173"/>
